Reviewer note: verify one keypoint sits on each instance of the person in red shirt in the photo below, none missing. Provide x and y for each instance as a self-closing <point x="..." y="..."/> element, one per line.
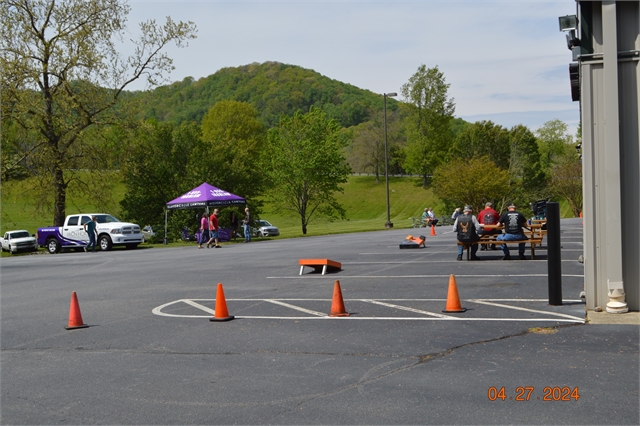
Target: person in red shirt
<point x="213" y="225"/>
<point x="489" y="216"/>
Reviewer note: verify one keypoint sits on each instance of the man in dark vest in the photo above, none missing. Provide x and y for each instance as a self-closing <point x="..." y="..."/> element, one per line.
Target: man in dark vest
<point x="513" y="222"/>
<point x="467" y="226"/>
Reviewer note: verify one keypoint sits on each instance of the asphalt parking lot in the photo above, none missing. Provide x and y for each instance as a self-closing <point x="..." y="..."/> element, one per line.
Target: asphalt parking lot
<point x="151" y="356"/>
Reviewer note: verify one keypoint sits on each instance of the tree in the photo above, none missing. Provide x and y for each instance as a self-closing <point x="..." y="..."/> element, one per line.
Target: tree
<point x="62" y="77"/>
<point x="230" y="156"/>
<point x="429" y="114"/>
<point x="566" y="182"/>
<point x="305" y="165"/>
<point x="527" y="177"/>
<point x="470" y="182"/>
<point x="514" y="151"/>
<point x="480" y="139"/>
<point x="155" y="169"/>
<point x="366" y="153"/>
<point x="553" y="143"/>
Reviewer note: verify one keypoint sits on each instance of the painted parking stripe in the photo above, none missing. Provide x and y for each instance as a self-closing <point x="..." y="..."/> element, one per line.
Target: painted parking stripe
<point x="297" y="308"/>
<point x="199" y="306"/>
<point x="413" y="262"/>
<point x="432" y="316"/>
<point x="340" y="276"/>
<point x="522" y="309"/>
<point x="405" y="308"/>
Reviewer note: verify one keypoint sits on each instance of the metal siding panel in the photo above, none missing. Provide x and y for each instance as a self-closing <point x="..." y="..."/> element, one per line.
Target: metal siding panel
<point x="588" y="187"/>
<point x="629" y="92"/>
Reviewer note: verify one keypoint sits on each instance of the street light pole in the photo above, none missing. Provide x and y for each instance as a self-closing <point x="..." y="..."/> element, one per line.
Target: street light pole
<point x="388" y="224"/>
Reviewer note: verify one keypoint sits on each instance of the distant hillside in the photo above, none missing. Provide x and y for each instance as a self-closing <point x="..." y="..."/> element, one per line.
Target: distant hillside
<point x="272" y="88"/>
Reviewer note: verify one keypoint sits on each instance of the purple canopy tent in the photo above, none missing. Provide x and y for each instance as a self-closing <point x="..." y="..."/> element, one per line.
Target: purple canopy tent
<point x="204" y="196"/>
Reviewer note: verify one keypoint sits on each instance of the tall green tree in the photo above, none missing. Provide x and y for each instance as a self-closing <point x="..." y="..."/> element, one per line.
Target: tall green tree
<point x="155" y="170"/>
<point x="229" y="158"/>
<point x="305" y="165"/>
<point x="62" y="76"/>
<point x="554" y="143"/>
<point x="514" y="151"/>
<point x="367" y="151"/>
<point x="429" y="114"/>
<point x="483" y="138"/>
<point x="527" y="176"/>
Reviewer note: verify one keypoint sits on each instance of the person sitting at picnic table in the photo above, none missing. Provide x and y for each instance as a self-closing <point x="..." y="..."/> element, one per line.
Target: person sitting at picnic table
<point x="426" y="219"/>
<point x="432" y="217"/>
<point x="466" y="227"/>
<point x="488" y="216"/>
<point x="513" y="222"/>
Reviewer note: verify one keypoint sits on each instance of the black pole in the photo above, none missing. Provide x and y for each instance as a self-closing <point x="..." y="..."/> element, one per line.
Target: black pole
<point x="553" y="254"/>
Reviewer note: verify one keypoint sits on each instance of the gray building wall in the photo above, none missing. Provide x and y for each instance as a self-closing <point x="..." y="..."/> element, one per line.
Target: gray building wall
<point x="610" y="106"/>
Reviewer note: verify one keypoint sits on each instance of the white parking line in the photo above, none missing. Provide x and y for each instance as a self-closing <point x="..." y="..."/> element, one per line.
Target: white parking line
<point x="298" y="308"/>
<point x="522" y="309"/>
<point x="405" y="308"/>
<point x="340" y="276"/>
<point x="431" y="316"/>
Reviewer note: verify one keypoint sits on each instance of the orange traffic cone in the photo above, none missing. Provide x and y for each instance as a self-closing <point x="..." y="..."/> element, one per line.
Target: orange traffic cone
<point x="337" y="305"/>
<point x="433" y="230"/>
<point x="221" y="312"/>
<point x="453" y="300"/>
<point x="75" y="317"/>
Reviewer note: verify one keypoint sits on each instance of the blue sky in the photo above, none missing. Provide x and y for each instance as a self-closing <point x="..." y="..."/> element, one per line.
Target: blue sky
<point x="506" y="61"/>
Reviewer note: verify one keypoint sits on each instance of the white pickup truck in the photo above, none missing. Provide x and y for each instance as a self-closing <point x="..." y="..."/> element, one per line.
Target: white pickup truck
<point x="15" y="241"/>
<point x="111" y="232"/>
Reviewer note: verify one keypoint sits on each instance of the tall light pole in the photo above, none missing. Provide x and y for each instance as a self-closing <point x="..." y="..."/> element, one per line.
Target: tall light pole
<point x="388" y="224"/>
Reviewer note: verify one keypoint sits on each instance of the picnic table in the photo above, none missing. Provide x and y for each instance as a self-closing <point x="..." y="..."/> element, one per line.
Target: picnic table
<point x="533" y="235"/>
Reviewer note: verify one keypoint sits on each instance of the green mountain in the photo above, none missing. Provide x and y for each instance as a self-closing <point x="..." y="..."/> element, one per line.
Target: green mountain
<point x="272" y="88"/>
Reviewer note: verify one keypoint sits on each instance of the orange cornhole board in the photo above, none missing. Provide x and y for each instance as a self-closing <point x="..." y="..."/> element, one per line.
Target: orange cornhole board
<point x="320" y="264"/>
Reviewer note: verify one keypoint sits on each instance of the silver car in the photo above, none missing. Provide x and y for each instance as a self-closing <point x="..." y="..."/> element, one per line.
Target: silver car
<point x="147" y="232"/>
<point x="265" y="229"/>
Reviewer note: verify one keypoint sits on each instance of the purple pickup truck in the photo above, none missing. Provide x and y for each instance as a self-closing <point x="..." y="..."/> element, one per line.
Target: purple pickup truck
<point x="111" y="232"/>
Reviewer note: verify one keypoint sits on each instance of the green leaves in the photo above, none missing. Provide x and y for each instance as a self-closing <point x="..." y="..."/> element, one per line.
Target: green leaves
<point x="429" y="114"/>
<point x="473" y="182"/>
<point x="62" y="77"/>
<point x="305" y="164"/>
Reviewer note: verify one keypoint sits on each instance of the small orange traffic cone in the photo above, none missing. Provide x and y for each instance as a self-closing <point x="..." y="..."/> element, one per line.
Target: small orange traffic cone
<point x="221" y="312"/>
<point x="433" y="230"/>
<point x="453" y="300"/>
<point x="337" y="304"/>
<point x="75" y="317"/>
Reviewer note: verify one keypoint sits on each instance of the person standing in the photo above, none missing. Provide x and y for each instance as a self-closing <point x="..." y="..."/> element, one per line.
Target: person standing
<point x="466" y="227"/>
<point x="204" y="230"/>
<point x="457" y="212"/>
<point x="234" y="224"/>
<point x="513" y="222"/>
<point x="246" y="223"/>
<point x="90" y="228"/>
<point x="213" y="229"/>
<point x="489" y="216"/>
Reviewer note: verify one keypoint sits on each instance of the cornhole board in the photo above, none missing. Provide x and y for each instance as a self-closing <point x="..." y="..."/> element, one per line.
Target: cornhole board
<point x="412" y="242"/>
<point x="319" y="265"/>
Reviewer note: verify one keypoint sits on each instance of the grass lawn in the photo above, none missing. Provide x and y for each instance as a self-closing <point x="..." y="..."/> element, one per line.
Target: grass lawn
<point x="363" y="199"/>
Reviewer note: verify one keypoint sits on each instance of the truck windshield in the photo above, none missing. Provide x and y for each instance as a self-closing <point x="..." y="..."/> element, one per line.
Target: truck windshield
<point x="106" y="218"/>
<point x="20" y="235"/>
